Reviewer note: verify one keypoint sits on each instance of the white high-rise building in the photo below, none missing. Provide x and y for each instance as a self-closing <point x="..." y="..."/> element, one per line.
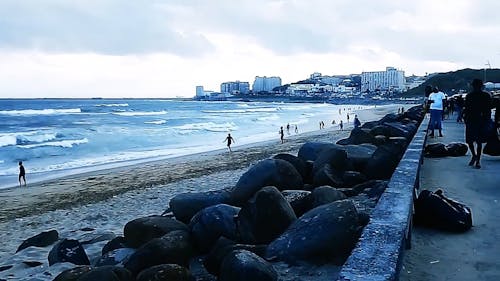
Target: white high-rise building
<point x="390" y="79"/>
<point x="236" y="87"/>
<point x="265" y="84"/>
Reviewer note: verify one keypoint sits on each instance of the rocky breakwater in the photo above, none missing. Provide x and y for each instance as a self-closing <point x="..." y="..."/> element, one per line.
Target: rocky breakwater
<point x="300" y="209"/>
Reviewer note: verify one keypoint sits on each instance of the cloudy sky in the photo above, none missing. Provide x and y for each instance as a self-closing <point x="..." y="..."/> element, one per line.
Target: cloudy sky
<point x="154" y="48"/>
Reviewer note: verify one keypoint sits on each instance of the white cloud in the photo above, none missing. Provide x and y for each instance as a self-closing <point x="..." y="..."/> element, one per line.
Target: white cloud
<point x="164" y="48"/>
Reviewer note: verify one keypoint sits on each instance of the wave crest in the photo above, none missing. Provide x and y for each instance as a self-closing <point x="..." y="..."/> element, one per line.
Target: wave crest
<point x="47" y="111"/>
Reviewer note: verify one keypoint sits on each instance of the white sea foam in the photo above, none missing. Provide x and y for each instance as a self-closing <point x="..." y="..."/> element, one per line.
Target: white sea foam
<point x="272" y="117"/>
<point x="7" y="139"/>
<point x="249" y="110"/>
<point x="140" y="113"/>
<point x="208" y="126"/>
<point x="33" y="137"/>
<point x="48" y="111"/>
<point x="156" y="122"/>
<point x="62" y="143"/>
<point x="112" y="105"/>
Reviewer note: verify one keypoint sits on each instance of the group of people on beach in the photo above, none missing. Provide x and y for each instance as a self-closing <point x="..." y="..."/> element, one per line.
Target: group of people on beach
<point x="474" y="111"/>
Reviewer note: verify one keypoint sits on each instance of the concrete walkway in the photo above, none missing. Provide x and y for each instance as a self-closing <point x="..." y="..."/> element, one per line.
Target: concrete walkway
<point x="474" y="255"/>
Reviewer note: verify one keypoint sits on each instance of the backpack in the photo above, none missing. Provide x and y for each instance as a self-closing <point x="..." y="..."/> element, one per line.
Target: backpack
<point x="433" y="209"/>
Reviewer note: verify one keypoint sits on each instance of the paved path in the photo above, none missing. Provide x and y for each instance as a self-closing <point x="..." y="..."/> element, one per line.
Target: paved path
<point x="474" y="255"/>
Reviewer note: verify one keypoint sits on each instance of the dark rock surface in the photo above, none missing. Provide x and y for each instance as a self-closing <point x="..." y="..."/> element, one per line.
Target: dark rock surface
<point x="269" y="172"/>
<point x="310" y="151"/>
<point x="327" y="232"/>
<point x="185" y="205"/>
<point x="299" y="200"/>
<point x="298" y="163"/>
<point x="174" y="247"/>
<point x="141" y="230"/>
<point x="68" y="250"/>
<point x="42" y="239"/>
<point x="107" y="273"/>
<point x="326" y="194"/>
<point x="113" y="244"/>
<point x="244" y="265"/>
<point x="115" y="257"/>
<point x="165" y="272"/>
<point x="72" y="274"/>
<point x="264" y="217"/>
<point x="211" y="223"/>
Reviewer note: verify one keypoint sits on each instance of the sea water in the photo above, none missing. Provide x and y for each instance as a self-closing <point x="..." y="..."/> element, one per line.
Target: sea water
<point x="63" y="136"/>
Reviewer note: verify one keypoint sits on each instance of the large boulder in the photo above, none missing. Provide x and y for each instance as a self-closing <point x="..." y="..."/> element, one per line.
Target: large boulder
<point x="457" y="149"/>
<point x="107" y="273"/>
<point x="309" y="151"/>
<point x="327" y="232"/>
<point x="268" y="172"/>
<point x="359" y="136"/>
<point x="222" y="248"/>
<point x="384" y="160"/>
<point x="326" y="194"/>
<point x="328" y="176"/>
<point x="113" y="244"/>
<point x="415" y="113"/>
<point x="42" y="239"/>
<point x="72" y="274"/>
<point x="174" y="247"/>
<point x="264" y="217"/>
<point x="359" y="155"/>
<point x="115" y="257"/>
<point x="352" y="178"/>
<point x="198" y="270"/>
<point x="211" y="223"/>
<point x="165" y="272"/>
<point x="243" y="265"/>
<point x="336" y="157"/>
<point x="68" y="250"/>
<point x="391" y="117"/>
<point x="380" y="130"/>
<point x="397" y="129"/>
<point x="299" y="200"/>
<point x="370" y="124"/>
<point x="298" y="163"/>
<point x="141" y="230"/>
<point x="185" y="205"/>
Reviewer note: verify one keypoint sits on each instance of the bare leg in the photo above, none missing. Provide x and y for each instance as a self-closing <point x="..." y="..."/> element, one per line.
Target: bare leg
<point x="478" y="153"/>
<point x="473" y="151"/>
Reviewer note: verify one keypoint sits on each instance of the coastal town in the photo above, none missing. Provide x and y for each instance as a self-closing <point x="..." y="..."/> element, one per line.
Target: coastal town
<point x="388" y="84"/>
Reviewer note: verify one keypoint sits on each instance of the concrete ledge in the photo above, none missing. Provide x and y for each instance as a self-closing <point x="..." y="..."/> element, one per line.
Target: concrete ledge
<point x="378" y="254"/>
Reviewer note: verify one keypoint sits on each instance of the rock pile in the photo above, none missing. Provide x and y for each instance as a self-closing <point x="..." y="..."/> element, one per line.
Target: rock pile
<point x="289" y="208"/>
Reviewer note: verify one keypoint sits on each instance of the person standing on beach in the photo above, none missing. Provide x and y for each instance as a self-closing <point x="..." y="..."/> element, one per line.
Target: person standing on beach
<point x="22" y="173"/>
<point x="229" y="141"/>
<point x="341" y="125"/>
<point x="282" y="135"/>
<point x="296" y="129"/>
<point x="436" y="106"/>
<point x="477" y="115"/>
<point x="288" y="128"/>
<point x="347" y="117"/>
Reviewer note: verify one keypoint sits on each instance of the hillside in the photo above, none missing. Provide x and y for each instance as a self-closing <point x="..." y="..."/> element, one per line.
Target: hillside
<point x="455" y="80"/>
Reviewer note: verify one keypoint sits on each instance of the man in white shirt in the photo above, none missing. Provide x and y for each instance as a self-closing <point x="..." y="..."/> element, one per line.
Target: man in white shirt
<point x="436" y="107"/>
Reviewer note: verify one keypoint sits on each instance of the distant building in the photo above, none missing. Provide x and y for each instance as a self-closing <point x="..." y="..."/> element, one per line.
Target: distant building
<point x="235" y="87"/>
<point x="414" y="81"/>
<point x="200" y="92"/>
<point x="265" y="84"/>
<point x="315" y="75"/>
<point x="390" y="79"/>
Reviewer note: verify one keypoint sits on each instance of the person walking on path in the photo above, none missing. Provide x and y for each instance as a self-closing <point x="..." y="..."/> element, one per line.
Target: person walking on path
<point x="22" y="173"/>
<point x="477" y="115"/>
<point x="436" y="106"/>
<point x="459" y="107"/>
<point x="282" y="135"/>
<point x="229" y="141"/>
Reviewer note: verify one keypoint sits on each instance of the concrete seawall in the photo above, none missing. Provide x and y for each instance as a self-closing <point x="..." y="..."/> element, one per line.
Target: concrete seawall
<point x="379" y="251"/>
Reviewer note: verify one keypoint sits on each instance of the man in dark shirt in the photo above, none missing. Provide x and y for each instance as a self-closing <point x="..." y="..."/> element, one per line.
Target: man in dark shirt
<point x="22" y="173"/>
<point x="477" y="115"/>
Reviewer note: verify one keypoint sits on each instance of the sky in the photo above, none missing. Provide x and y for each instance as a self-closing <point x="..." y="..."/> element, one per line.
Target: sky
<point x="153" y="48"/>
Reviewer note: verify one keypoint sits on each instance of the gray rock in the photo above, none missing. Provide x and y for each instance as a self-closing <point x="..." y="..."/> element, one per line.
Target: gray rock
<point x="352" y="178"/>
<point x="309" y="151"/>
<point x="42" y="239"/>
<point x="141" y="230"/>
<point x="242" y="265"/>
<point x="336" y="157"/>
<point x="326" y="194"/>
<point x="299" y="200"/>
<point x="211" y="223"/>
<point x="324" y="233"/>
<point x="165" y="272"/>
<point x="186" y="205"/>
<point x="298" y="163"/>
<point x="68" y="250"/>
<point x="264" y="217"/>
<point x="72" y="274"/>
<point x="107" y="273"/>
<point x="328" y="176"/>
<point x="268" y="172"/>
<point x="115" y="257"/>
<point x="174" y="247"/>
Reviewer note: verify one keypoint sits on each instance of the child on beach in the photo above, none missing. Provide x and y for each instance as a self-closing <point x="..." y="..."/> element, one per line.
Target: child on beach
<point x="357" y="123"/>
<point x="296" y="129"/>
<point x="22" y="173"/>
<point x="341" y="125"/>
<point x="229" y="140"/>
<point x="282" y="135"/>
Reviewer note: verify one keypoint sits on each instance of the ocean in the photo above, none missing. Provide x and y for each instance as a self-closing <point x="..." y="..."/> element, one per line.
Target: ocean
<point x="55" y="137"/>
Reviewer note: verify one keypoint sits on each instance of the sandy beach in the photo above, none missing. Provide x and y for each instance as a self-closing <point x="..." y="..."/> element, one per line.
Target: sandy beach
<point x="96" y="205"/>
